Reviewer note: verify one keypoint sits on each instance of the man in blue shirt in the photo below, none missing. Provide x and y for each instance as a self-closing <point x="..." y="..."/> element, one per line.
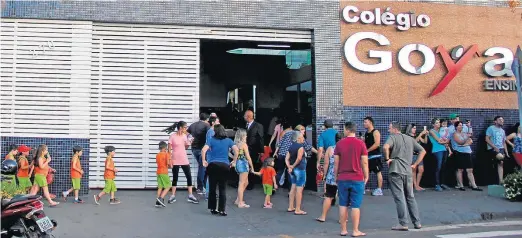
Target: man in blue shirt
<point x="326" y="139"/>
<point x="496" y="140"/>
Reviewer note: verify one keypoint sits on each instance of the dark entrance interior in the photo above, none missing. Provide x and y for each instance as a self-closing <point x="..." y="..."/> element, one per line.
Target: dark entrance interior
<point x="254" y="80"/>
<point x="263" y="76"/>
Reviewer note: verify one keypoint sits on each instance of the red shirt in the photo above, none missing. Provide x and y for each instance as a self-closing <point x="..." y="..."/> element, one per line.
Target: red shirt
<point x="268" y="174"/>
<point x="350" y="150"/>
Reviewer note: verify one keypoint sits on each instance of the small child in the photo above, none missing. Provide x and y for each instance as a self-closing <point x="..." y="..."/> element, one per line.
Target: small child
<point x="109" y="175"/>
<point x="444" y="134"/>
<point x="24" y="168"/>
<point x="13" y="151"/>
<point x="268" y="174"/>
<point x="164" y="183"/>
<point x="76" y="175"/>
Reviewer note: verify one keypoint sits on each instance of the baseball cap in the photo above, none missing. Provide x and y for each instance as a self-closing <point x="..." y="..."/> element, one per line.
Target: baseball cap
<point x="24" y="148"/>
<point x="328" y="123"/>
<point x="453" y="116"/>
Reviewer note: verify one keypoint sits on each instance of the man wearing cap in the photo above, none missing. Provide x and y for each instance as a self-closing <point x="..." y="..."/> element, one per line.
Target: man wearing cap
<point x="326" y="139"/>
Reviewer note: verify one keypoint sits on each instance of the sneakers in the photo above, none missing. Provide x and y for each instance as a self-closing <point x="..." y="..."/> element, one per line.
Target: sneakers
<point x="77" y="201"/>
<point x="160" y="202"/>
<point x="172" y="199"/>
<point x="377" y="192"/>
<point x="201" y="191"/>
<point x="65" y="194"/>
<point x="438" y="188"/>
<point x="114" y="201"/>
<point x="96" y="199"/>
<point x="192" y="199"/>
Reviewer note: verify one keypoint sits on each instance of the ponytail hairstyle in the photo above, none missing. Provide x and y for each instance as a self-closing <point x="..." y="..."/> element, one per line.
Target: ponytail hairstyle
<point x="174" y="127"/>
<point x="267" y="162"/>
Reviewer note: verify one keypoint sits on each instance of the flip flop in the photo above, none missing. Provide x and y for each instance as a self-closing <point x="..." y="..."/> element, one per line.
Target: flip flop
<point x="56" y="204"/>
<point x="244" y="205"/>
<point x="344" y="234"/>
<point x="319" y="220"/>
<point x="288" y="210"/>
<point x="362" y="234"/>
<point x="300" y="214"/>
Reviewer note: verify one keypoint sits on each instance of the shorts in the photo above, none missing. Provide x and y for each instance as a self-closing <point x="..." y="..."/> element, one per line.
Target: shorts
<point x="164" y="181"/>
<point x="24" y="183"/>
<point x="76" y="182"/>
<point x="331" y="191"/>
<point x="463" y="160"/>
<point x="267" y="188"/>
<point x="298" y="177"/>
<point x="350" y="193"/>
<point x="40" y="180"/>
<point x="494" y="155"/>
<point x="375" y="165"/>
<point x="110" y="186"/>
<point x="415" y="157"/>
<point x="241" y="166"/>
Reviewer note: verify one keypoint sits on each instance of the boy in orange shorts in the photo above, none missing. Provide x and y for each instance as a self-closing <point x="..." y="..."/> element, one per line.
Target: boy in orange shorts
<point x="164" y="183"/>
<point x="76" y="175"/>
<point x="109" y="175"/>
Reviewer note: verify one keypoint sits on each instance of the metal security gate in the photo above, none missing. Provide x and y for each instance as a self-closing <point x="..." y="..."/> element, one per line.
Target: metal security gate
<point x="142" y="82"/>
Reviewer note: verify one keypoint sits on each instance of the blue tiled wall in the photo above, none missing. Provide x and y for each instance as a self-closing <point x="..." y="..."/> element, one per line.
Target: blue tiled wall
<point x="60" y="150"/>
<point x="480" y="120"/>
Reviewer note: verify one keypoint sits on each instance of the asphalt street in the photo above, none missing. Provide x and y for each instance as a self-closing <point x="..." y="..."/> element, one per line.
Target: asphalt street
<point x="136" y="216"/>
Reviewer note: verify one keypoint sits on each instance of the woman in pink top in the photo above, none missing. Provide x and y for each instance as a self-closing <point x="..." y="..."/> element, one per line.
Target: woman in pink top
<point x="178" y="145"/>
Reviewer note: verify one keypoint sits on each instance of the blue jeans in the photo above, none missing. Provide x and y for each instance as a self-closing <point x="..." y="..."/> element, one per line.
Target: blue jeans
<point x="440" y="162"/>
<point x="201" y="169"/>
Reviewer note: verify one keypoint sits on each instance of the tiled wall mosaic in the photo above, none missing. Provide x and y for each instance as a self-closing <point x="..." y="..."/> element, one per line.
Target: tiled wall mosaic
<point x="480" y="119"/>
<point x="60" y="150"/>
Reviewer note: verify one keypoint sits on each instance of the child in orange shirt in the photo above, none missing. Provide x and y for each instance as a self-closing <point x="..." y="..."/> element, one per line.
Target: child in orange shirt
<point x="76" y="175"/>
<point x="41" y="170"/>
<point x="13" y="151"/>
<point x="268" y="174"/>
<point x="109" y="175"/>
<point x="164" y="183"/>
<point x="24" y="169"/>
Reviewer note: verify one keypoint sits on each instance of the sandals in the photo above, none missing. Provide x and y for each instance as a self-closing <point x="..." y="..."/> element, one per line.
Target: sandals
<point x="300" y="213"/>
<point x="319" y="220"/>
<point x="244" y="205"/>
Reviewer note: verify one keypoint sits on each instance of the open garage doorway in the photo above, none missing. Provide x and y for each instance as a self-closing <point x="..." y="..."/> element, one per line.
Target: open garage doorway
<point x="267" y="77"/>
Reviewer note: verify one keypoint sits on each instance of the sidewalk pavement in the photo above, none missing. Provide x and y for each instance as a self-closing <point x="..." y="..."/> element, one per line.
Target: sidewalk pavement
<point x="136" y="216"/>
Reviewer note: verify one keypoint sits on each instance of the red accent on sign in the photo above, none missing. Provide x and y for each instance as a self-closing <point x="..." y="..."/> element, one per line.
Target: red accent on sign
<point x="453" y="68"/>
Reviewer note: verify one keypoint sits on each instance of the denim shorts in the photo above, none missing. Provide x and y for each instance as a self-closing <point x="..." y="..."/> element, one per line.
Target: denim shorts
<point x="241" y="165"/>
<point x="350" y="193"/>
<point x="298" y="177"/>
<point x="415" y="157"/>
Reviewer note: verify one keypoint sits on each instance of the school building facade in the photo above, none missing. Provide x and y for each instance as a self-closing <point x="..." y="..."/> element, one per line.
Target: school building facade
<point x="64" y="80"/>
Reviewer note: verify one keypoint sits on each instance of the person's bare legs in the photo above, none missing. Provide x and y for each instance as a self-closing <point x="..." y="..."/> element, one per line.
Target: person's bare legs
<point x="379" y="180"/>
<point x="112" y="195"/>
<point x="343" y="218"/>
<point x="420" y="171"/>
<point x="48" y="196"/>
<point x="414" y="174"/>
<point x="243" y="182"/>
<point x="471" y="178"/>
<point x="356" y="215"/>
<point x="291" y="198"/>
<point x="327" y="203"/>
<point x="298" y="200"/>
<point x="460" y="184"/>
<point x="173" y="190"/>
<point x="500" y="170"/>
<point x="189" y="190"/>
<point x="34" y="189"/>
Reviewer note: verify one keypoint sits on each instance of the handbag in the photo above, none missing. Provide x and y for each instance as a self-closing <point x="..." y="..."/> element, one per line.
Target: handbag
<point x="50" y="178"/>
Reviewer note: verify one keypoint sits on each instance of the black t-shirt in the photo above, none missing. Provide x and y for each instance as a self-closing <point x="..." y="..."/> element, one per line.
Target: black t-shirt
<point x="369" y="141"/>
<point x="199" y="130"/>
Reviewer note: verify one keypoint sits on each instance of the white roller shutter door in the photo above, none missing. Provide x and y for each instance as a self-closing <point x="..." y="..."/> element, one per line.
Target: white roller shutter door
<point x="141" y="84"/>
<point x="45" y="78"/>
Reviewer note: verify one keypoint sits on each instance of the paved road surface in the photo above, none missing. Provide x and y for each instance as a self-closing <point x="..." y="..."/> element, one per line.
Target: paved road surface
<point x="136" y="216"/>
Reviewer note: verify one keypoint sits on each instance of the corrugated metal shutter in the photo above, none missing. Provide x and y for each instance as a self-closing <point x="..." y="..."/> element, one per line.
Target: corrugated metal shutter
<point x="45" y="78"/>
<point x="142" y="82"/>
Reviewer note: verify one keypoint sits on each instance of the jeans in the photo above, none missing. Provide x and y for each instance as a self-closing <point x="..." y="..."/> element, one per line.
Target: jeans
<point x="441" y="161"/>
<point x="217" y="178"/>
<point x="201" y="169"/>
<point x="350" y="193"/>
<point x="401" y="187"/>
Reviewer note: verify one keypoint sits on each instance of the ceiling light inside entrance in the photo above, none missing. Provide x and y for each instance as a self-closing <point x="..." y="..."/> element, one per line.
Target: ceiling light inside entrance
<point x="295" y="59"/>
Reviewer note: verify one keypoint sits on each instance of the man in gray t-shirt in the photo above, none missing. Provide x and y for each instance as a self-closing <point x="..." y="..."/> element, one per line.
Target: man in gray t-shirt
<point x="400" y="174"/>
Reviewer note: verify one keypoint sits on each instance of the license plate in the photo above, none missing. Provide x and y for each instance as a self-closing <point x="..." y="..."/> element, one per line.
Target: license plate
<point x="45" y="224"/>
